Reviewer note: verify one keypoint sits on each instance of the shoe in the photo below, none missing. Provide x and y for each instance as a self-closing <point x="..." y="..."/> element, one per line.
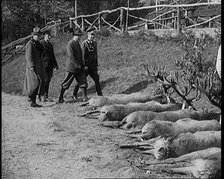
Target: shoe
<point x="48" y="100"/>
<point x="84" y="99"/>
<point x="75" y="97"/>
<point x="61" y="101"/>
<point x="35" y="105"/>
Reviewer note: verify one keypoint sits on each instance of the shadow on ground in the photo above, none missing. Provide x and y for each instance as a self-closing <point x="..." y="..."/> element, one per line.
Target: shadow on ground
<point x="103" y="84"/>
<point x="136" y="87"/>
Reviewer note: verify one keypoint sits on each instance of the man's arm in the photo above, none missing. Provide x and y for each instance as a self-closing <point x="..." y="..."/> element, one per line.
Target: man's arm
<point x="53" y="57"/>
<point x="83" y="46"/>
<point x="95" y="43"/>
<point x="29" y="56"/>
<point x="71" y="56"/>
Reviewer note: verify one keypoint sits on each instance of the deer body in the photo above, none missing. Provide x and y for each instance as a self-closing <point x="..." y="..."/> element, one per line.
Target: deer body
<point x="157" y="128"/>
<point x="140" y="118"/>
<point x="184" y="143"/>
<point x="99" y="101"/>
<point x="119" y="111"/>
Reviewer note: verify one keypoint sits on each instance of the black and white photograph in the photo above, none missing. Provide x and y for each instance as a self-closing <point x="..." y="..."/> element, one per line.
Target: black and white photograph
<point x="110" y="89"/>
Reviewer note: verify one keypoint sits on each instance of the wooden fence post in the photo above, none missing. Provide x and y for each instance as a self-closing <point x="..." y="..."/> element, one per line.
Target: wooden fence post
<point x="178" y="20"/>
<point x="122" y="20"/>
<point x="70" y="24"/>
<point x="126" y="28"/>
<point x="99" y="21"/>
<point x="210" y="23"/>
<point x="83" y="27"/>
<point x="146" y="26"/>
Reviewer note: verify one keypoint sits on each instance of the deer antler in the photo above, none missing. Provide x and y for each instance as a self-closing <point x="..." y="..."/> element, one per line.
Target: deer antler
<point x="174" y="82"/>
<point x="206" y="87"/>
<point x="157" y="74"/>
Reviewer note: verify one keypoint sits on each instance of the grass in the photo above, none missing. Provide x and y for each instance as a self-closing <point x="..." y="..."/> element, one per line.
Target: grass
<point x="120" y="63"/>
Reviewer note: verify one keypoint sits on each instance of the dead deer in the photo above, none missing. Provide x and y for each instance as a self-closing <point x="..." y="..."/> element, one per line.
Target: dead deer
<point x="166" y="147"/>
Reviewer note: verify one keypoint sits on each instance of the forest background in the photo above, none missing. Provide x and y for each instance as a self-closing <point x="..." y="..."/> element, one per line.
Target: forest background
<point x="19" y="17"/>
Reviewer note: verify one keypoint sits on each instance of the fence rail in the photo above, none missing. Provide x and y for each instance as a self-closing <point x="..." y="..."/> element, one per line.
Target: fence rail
<point x="169" y="19"/>
<point x="16" y="47"/>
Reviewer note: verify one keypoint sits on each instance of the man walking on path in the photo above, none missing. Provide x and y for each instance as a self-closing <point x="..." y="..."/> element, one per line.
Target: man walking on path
<point x="90" y="61"/>
<point x="74" y="67"/>
<point x="34" y="76"/>
<point x="49" y="61"/>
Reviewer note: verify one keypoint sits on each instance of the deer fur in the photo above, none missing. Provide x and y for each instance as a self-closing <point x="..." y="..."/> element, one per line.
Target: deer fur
<point x="119" y="111"/>
<point x="138" y="119"/>
<point x="157" y="128"/>
<point x="198" y="168"/>
<point x="185" y="143"/>
<point x="209" y="153"/>
<point x="99" y="101"/>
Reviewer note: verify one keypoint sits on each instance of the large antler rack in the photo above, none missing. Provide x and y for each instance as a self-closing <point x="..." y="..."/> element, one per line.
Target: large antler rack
<point x="175" y="81"/>
<point x="206" y="86"/>
<point x="156" y="75"/>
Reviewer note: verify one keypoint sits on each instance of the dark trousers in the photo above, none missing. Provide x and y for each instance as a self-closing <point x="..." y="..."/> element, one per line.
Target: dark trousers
<point x="48" y="77"/>
<point x="80" y="78"/>
<point x="95" y="76"/>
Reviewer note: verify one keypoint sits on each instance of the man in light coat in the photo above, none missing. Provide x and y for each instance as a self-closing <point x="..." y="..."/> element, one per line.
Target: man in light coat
<point x="34" y="76"/>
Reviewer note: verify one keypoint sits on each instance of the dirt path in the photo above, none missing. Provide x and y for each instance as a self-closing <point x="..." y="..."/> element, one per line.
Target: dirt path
<point x="52" y="142"/>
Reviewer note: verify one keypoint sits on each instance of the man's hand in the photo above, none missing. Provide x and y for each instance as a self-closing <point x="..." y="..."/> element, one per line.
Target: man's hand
<point x="85" y="68"/>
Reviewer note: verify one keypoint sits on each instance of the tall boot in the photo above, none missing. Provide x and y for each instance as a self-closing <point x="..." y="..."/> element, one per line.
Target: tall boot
<point x="75" y="92"/>
<point x="61" y="98"/>
<point x="98" y="88"/>
<point x="84" y="94"/>
<point x="33" y="102"/>
<point x="46" y="89"/>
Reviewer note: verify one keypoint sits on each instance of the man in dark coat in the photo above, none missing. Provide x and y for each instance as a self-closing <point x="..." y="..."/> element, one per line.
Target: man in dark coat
<point x="49" y="61"/>
<point x="34" y="76"/>
<point x="90" y="61"/>
<point x="74" y="67"/>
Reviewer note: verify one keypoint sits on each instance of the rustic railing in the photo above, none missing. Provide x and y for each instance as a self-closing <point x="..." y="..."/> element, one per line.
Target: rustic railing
<point x="171" y="19"/>
<point x="18" y="46"/>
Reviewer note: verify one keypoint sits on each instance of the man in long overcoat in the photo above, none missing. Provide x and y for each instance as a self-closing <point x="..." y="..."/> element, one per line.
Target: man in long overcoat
<point x="74" y="67"/>
<point x="50" y="62"/>
<point x="34" y="76"/>
<point x="90" y="61"/>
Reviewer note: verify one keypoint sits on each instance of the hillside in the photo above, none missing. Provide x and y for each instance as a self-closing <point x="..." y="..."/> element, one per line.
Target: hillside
<point x="54" y="142"/>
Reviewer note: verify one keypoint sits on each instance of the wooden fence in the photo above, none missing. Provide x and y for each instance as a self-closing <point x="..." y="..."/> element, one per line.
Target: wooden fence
<point x="175" y="17"/>
<point x="167" y="16"/>
<point x="18" y="46"/>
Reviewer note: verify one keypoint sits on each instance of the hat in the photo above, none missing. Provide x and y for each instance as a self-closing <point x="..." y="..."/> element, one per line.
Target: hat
<point x="36" y="31"/>
<point x="90" y="30"/>
<point x="77" y="32"/>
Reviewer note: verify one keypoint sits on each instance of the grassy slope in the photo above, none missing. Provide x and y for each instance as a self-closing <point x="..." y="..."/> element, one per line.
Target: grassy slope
<point x="120" y="60"/>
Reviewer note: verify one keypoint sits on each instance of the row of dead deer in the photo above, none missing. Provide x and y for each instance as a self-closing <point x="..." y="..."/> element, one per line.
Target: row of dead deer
<point x="182" y="140"/>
